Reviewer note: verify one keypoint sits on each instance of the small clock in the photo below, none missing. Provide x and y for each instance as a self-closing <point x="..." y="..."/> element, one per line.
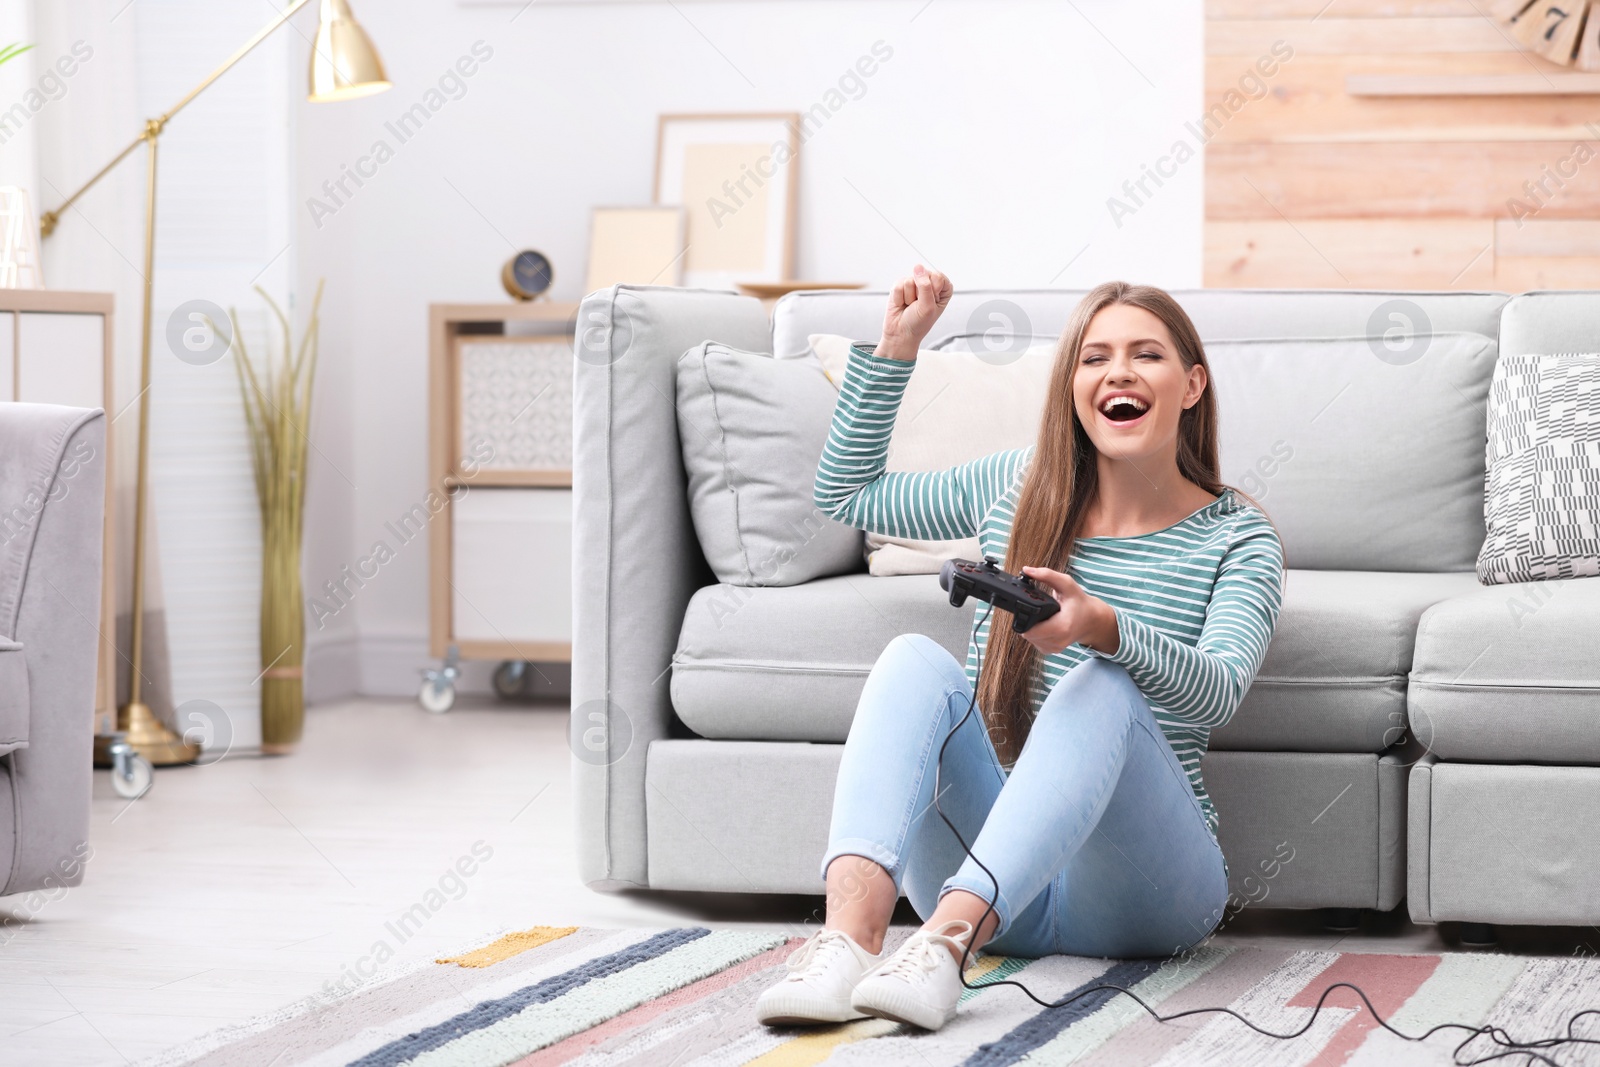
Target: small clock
<point x="527" y="275"/>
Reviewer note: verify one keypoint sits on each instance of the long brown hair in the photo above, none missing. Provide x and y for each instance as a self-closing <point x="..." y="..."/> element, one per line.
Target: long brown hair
<point x="1061" y="482"/>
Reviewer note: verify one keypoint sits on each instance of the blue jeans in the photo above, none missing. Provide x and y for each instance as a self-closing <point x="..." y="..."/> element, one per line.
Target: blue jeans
<point x="1096" y="836"/>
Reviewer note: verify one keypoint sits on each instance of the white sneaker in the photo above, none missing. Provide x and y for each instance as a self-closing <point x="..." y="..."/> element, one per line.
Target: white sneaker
<point x="920" y="983"/>
<point x="822" y="974"/>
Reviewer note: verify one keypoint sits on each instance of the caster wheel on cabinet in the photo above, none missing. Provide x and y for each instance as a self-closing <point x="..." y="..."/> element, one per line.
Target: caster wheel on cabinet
<point x="509" y="679"/>
<point x="438" y="692"/>
<point x="437" y="697"/>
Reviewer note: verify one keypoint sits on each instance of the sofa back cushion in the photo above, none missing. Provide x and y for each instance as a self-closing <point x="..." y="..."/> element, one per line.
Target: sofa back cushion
<point x="1357" y="418"/>
<point x="752" y="429"/>
<point x="1566" y="321"/>
<point x="1362" y="464"/>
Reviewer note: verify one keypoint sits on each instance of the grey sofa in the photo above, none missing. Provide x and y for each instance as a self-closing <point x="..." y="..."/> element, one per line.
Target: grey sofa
<point x="52" y="509"/>
<point x="706" y="742"/>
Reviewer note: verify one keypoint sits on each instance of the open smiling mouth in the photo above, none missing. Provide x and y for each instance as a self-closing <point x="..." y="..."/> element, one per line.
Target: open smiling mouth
<point x="1124" y="410"/>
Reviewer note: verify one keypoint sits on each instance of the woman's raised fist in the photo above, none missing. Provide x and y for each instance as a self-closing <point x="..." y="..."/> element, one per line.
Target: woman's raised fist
<point x="915" y="304"/>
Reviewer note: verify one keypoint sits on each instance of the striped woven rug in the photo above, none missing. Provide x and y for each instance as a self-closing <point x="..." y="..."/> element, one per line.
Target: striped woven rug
<point x="685" y="997"/>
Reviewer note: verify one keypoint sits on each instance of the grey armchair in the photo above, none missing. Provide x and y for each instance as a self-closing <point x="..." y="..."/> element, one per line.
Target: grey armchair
<point x="52" y="509"/>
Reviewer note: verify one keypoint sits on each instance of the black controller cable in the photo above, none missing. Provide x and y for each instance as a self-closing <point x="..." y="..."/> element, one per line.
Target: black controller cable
<point x="1496" y="1034"/>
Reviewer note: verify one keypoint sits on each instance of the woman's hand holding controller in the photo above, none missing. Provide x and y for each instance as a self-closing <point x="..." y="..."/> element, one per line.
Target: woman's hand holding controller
<point x="1083" y="619"/>
<point x="915" y="304"/>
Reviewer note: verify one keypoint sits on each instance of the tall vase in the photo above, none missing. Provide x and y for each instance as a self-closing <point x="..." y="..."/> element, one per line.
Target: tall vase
<point x="277" y="407"/>
<point x="283" y="627"/>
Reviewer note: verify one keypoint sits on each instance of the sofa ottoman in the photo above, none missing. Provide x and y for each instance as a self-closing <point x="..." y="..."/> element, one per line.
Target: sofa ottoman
<point x="1504" y="697"/>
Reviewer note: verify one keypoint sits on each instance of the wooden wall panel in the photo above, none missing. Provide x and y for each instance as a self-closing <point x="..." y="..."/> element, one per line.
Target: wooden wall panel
<point x="1547" y="237"/>
<point x="1351" y="253"/>
<point x="1390" y="180"/>
<point x="1519" y="274"/>
<point x="1339" y="9"/>
<point x="1404" y="144"/>
<point x="1357" y="36"/>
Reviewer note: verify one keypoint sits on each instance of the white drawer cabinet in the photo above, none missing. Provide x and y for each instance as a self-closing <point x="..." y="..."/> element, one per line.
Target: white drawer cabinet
<point x="75" y="373"/>
<point x="511" y="578"/>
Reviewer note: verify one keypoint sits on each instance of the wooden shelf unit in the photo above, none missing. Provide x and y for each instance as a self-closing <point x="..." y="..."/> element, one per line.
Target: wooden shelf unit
<point x="1537" y="84"/>
<point x="448" y="325"/>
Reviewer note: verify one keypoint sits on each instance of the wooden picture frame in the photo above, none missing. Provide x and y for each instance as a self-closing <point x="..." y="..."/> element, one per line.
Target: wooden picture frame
<point x="736" y="176"/>
<point x="641" y="245"/>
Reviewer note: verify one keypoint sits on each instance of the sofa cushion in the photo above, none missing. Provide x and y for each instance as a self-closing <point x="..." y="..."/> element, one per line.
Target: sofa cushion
<point x="1363" y="464"/>
<point x="1561" y="321"/>
<point x="1508" y="674"/>
<point x="789" y="664"/>
<point x="1334" y="676"/>
<point x="752" y="429"/>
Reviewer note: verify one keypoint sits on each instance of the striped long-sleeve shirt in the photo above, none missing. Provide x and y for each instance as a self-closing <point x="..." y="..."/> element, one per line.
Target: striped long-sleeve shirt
<point x="1195" y="603"/>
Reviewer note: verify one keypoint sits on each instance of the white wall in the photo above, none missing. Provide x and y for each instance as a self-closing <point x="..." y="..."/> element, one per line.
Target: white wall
<point x="223" y="227"/>
<point x="987" y="145"/>
<point x="18" y="165"/>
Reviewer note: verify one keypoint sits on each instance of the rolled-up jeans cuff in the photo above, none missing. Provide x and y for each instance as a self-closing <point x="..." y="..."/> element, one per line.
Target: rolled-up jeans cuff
<point x="983" y="889"/>
<point x="860" y="846"/>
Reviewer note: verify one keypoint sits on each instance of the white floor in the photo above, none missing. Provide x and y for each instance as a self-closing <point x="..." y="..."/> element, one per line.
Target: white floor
<point x="239" y="887"/>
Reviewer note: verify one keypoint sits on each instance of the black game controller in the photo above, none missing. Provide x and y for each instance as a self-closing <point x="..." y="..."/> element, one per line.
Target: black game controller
<point x="1027" y="600"/>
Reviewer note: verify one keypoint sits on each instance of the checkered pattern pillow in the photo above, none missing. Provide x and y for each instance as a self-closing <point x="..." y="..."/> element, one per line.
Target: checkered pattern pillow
<point x="1542" y="502"/>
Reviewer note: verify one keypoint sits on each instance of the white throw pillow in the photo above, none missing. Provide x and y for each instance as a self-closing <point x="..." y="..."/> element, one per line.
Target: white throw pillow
<point x="1542" y="502"/>
<point x="957" y="407"/>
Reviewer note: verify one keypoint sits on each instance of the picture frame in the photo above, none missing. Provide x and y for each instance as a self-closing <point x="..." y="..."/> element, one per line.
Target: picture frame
<point x="735" y="175"/>
<point x="639" y="245"/>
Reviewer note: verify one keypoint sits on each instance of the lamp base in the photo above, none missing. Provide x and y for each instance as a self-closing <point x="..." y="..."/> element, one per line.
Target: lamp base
<point x="148" y="736"/>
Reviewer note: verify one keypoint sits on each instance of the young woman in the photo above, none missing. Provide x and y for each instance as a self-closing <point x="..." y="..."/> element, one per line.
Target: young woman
<point x="1077" y="779"/>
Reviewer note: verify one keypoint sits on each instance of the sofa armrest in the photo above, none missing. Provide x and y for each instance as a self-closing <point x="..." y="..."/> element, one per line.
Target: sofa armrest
<point x="635" y="557"/>
<point x="52" y="511"/>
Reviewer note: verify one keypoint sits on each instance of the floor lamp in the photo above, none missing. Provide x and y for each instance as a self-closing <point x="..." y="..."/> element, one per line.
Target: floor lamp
<point x="344" y="65"/>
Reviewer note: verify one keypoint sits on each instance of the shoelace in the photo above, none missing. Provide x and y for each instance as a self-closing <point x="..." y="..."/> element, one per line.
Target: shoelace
<point x="917" y="957"/>
<point x="804" y="958"/>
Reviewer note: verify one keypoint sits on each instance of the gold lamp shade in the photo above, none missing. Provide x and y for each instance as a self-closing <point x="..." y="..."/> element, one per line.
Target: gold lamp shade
<point x="344" y="65"/>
